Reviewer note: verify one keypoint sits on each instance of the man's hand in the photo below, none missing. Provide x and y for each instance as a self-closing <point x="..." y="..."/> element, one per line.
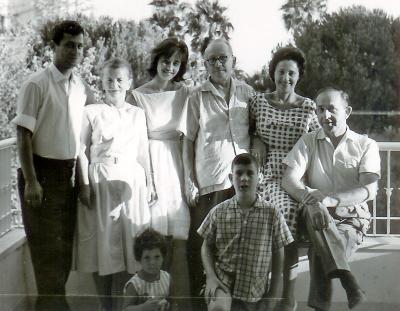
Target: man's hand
<point x="212" y="284"/>
<point x="84" y="195"/>
<point x="319" y="216"/>
<point x="312" y="196"/>
<point x="33" y="194"/>
<point x="191" y="191"/>
<point x="259" y="150"/>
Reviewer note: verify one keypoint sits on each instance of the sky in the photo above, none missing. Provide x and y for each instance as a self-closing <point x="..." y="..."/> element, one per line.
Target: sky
<point x="258" y="24"/>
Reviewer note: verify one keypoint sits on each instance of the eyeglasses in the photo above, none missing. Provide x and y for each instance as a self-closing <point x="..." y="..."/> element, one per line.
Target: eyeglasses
<point x="222" y="59"/>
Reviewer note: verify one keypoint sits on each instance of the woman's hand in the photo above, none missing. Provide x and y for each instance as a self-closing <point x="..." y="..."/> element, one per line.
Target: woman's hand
<point x="191" y="191"/>
<point x="84" y="195"/>
<point x="151" y="193"/>
<point x="258" y="150"/>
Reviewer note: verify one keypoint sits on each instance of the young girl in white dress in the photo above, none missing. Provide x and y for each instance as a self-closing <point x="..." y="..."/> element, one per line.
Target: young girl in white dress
<point x="116" y="183"/>
<point x="149" y="288"/>
<point x="162" y="99"/>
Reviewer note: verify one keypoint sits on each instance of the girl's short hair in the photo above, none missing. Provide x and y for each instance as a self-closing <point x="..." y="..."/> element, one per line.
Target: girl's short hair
<point x="287" y="53"/>
<point x="117" y="63"/>
<point x="167" y="48"/>
<point x="148" y="240"/>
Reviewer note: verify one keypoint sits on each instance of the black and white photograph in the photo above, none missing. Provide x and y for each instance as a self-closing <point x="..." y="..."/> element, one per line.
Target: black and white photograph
<point x="199" y="155"/>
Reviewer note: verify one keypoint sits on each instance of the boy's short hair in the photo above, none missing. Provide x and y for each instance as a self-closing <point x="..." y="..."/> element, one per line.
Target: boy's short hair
<point x="244" y="159"/>
<point x="167" y="48"/>
<point x="343" y="95"/>
<point x="70" y="27"/>
<point x="147" y="240"/>
<point x="116" y="63"/>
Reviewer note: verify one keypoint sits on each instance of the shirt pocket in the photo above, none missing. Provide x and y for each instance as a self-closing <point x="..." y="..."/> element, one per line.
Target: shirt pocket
<point x="348" y="168"/>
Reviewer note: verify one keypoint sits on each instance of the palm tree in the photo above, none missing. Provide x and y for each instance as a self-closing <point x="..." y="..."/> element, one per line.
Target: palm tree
<point x="207" y="21"/>
<point x="168" y="16"/>
<point x="296" y="13"/>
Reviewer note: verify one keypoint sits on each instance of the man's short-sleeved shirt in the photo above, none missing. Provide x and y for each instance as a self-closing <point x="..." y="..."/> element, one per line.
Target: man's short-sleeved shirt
<point x="51" y="107"/>
<point x="244" y="244"/>
<point x="335" y="170"/>
<point x="219" y="130"/>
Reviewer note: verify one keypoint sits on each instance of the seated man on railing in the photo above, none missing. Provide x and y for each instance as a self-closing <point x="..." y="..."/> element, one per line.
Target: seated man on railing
<point x="333" y="172"/>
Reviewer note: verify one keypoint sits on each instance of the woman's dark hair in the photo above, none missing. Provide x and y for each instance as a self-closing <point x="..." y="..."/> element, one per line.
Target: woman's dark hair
<point x="148" y="240"/>
<point x="287" y="53"/>
<point x="70" y="27"/>
<point x="167" y="48"/>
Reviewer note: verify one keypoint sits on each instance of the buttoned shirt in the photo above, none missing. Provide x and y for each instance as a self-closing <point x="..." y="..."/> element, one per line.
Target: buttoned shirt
<point x="333" y="170"/>
<point x="51" y="106"/>
<point x="244" y="245"/>
<point x="219" y="130"/>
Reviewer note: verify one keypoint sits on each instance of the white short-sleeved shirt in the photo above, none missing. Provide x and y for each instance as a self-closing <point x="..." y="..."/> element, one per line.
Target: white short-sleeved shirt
<point x="219" y="130"/>
<point x="51" y="107"/>
<point x="335" y="170"/>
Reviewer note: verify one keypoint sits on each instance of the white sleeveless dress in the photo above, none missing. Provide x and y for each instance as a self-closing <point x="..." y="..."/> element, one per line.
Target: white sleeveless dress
<point x="170" y="213"/>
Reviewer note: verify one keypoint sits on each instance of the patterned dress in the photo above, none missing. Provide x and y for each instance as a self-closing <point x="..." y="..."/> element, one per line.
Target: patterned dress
<point x="146" y="290"/>
<point x="280" y="129"/>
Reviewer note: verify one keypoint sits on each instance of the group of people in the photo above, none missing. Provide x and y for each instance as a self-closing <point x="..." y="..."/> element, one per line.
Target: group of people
<point x="198" y="192"/>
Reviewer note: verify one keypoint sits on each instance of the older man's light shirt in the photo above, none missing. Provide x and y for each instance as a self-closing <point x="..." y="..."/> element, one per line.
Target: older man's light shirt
<point x="335" y="170"/>
<point x="219" y="130"/>
<point x="51" y="107"/>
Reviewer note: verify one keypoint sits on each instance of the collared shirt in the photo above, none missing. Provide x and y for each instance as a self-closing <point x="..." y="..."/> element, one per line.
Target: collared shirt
<point x="219" y="130"/>
<point x="51" y="106"/>
<point x="244" y="245"/>
<point x="333" y="170"/>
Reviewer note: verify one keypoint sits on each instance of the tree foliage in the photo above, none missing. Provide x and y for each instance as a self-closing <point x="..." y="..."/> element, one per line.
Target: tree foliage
<point x="353" y="49"/>
<point x="298" y="13"/>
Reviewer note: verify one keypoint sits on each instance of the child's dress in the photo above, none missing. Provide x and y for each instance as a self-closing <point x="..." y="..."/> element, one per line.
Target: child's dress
<point x="146" y="290"/>
<point x="119" y="208"/>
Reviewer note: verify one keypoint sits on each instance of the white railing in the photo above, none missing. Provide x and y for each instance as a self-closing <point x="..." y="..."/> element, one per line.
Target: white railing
<point x="386" y="184"/>
<point x="7" y="213"/>
<point x="10" y="215"/>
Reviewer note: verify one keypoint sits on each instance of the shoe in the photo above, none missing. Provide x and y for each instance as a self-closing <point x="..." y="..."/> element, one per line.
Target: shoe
<point x="285" y="307"/>
<point x="355" y="298"/>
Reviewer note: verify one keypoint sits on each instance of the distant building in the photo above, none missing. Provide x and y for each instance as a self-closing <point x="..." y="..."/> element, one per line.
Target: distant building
<point x="24" y="11"/>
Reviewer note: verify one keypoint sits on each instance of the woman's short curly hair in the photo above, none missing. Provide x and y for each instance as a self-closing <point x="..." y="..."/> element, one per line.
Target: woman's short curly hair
<point x="287" y="53"/>
<point x="148" y="240"/>
<point x="167" y="48"/>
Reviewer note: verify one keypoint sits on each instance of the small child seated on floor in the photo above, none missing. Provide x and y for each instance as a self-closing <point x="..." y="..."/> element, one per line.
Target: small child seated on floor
<point x="243" y="241"/>
<point x="149" y="288"/>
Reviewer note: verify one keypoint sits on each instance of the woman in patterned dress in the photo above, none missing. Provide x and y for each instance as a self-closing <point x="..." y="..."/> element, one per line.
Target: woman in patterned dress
<point x="278" y="120"/>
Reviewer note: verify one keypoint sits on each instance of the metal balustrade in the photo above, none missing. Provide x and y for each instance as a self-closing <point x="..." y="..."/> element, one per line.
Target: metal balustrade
<point x="7" y="214"/>
<point x="10" y="216"/>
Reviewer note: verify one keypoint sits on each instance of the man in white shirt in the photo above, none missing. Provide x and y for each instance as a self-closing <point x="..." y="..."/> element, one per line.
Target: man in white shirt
<point x="333" y="172"/>
<point x="215" y="123"/>
<point x="49" y="115"/>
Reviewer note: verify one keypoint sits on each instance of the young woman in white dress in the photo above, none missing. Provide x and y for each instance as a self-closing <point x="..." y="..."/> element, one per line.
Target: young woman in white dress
<point x="162" y="99"/>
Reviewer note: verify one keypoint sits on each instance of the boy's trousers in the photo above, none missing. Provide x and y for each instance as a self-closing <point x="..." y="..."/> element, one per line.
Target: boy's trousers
<point x="50" y="229"/>
<point x="329" y="254"/>
<point x="197" y="214"/>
